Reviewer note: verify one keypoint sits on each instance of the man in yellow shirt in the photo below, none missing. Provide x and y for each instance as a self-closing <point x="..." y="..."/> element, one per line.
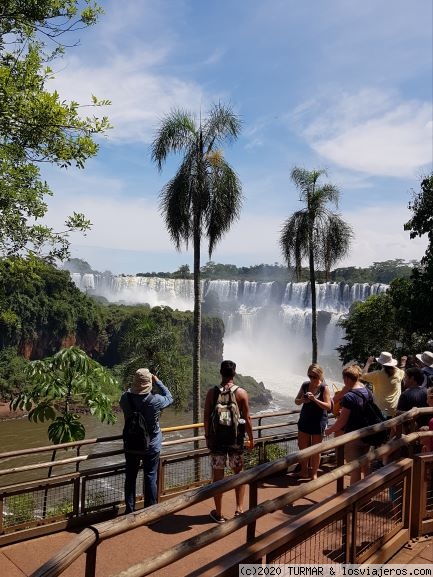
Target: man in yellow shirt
<point x="386" y="383"/>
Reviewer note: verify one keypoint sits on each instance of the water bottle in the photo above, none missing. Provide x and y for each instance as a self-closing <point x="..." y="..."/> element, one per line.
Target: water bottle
<point x="241" y="431"/>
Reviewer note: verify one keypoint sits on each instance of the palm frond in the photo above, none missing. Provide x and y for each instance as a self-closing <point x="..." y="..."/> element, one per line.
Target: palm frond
<point x="176" y="205"/>
<point x="294" y="240"/>
<point x="177" y="132"/>
<point x="221" y="125"/>
<point x="225" y="201"/>
<point x="328" y="193"/>
<point x="336" y="236"/>
<point x="306" y="180"/>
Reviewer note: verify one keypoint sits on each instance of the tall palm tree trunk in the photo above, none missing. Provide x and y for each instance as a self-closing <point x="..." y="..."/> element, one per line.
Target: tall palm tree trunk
<point x="313" y="307"/>
<point x="196" y="409"/>
<point x="312" y="288"/>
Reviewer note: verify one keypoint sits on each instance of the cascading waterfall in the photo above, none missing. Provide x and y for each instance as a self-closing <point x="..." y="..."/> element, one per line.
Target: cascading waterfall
<point x="268" y="324"/>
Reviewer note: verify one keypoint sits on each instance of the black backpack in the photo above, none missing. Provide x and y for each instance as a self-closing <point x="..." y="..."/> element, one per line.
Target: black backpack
<point x="370" y="414"/>
<point x="225" y="430"/>
<point x="136" y="437"/>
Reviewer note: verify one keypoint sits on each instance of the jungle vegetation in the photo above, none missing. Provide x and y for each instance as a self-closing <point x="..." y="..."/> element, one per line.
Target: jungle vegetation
<point x="401" y="320"/>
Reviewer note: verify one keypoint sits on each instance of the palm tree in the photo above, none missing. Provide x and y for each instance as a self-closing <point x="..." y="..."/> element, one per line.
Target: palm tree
<point x="314" y="233"/>
<point x="202" y="199"/>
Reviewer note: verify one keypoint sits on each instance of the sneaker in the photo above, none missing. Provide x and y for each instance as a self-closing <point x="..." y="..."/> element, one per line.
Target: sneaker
<point x="238" y="513"/>
<point x="217" y="518"/>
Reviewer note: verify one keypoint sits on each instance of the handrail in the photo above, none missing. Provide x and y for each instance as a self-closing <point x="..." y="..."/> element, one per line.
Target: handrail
<point x="96" y="533"/>
<point x="103" y="454"/>
<point x="90" y="536"/>
<point x="94" y="440"/>
<point x="404" y="417"/>
<point x="42" y="465"/>
<point x="181" y="550"/>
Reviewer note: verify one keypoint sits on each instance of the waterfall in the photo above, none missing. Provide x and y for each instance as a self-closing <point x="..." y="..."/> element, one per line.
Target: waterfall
<point x="268" y="324"/>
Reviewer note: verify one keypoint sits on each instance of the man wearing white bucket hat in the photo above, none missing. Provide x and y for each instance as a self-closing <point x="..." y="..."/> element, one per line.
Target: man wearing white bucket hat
<point x="386" y="383"/>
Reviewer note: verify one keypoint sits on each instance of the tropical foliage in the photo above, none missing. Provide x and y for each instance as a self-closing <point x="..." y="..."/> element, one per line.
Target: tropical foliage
<point x="40" y="307"/>
<point x="378" y="272"/>
<point x="400" y="321"/>
<point x="314" y="233"/>
<point x="58" y="383"/>
<point x="203" y="199"/>
<point x="36" y="124"/>
<point x="41" y="311"/>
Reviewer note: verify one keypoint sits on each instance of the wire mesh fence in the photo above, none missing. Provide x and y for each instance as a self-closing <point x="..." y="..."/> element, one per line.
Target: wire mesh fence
<point x="324" y="546"/>
<point x="38" y="506"/>
<point x="104" y="489"/>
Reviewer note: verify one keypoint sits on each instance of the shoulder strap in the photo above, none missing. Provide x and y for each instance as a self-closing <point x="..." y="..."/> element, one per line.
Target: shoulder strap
<point x="216" y="393"/>
<point x="131" y="402"/>
<point x="359" y="394"/>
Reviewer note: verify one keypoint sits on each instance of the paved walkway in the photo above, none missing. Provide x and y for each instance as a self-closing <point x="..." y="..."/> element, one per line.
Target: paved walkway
<point x="119" y="553"/>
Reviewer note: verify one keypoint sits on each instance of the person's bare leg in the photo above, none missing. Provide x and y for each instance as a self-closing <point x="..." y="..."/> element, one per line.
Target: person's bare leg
<point x="315" y="459"/>
<point x="217" y="475"/>
<point x="240" y="493"/>
<point x="304" y="441"/>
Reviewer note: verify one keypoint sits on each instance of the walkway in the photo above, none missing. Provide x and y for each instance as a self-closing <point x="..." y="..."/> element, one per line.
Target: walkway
<point x="119" y="553"/>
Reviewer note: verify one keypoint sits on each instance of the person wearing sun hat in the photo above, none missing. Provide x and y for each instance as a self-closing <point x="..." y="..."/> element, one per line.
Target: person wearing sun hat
<point x="139" y="397"/>
<point x="386" y="382"/>
<point x="426" y="359"/>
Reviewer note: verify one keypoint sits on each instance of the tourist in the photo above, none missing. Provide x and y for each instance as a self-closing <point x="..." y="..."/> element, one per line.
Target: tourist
<point x="426" y="360"/>
<point x="315" y="398"/>
<point x="139" y="398"/>
<point x="350" y="418"/>
<point x="386" y="382"/>
<point x="414" y="395"/>
<point x="427" y="442"/>
<point x="231" y="443"/>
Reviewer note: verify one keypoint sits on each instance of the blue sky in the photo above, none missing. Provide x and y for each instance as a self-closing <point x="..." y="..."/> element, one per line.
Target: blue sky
<point x="336" y="84"/>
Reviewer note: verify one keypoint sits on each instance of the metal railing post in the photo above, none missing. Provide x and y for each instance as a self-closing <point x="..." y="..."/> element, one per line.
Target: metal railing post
<point x="91" y="561"/>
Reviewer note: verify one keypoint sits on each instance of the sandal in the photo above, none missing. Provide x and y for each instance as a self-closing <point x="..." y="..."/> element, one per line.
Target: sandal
<point x="217" y="518"/>
<point x="238" y="513"/>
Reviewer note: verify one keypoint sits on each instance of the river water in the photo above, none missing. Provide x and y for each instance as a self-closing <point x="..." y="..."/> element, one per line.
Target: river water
<point x="22" y="434"/>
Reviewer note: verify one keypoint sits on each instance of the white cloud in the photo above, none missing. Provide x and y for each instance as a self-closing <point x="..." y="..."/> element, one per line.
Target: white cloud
<point x="118" y="222"/>
<point x="370" y="132"/>
<point x="379" y="236"/>
<point x="139" y="95"/>
<point x="134" y="225"/>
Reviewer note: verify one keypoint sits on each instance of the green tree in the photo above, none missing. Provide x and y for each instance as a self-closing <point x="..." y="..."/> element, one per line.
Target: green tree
<point x="421" y="222"/>
<point x="40" y="307"/>
<point x="370" y="328"/>
<point x="314" y="233"/>
<point x="421" y="291"/>
<point x="202" y="199"/>
<point x="182" y="272"/>
<point x="151" y="340"/>
<point x="37" y="125"/>
<point x="69" y="377"/>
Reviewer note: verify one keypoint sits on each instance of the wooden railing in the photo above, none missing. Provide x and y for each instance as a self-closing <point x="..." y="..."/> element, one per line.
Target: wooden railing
<point x="80" y="489"/>
<point x="395" y="474"/>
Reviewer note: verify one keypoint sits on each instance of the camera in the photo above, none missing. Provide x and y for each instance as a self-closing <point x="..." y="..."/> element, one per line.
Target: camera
<point x="305" y="396"/>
